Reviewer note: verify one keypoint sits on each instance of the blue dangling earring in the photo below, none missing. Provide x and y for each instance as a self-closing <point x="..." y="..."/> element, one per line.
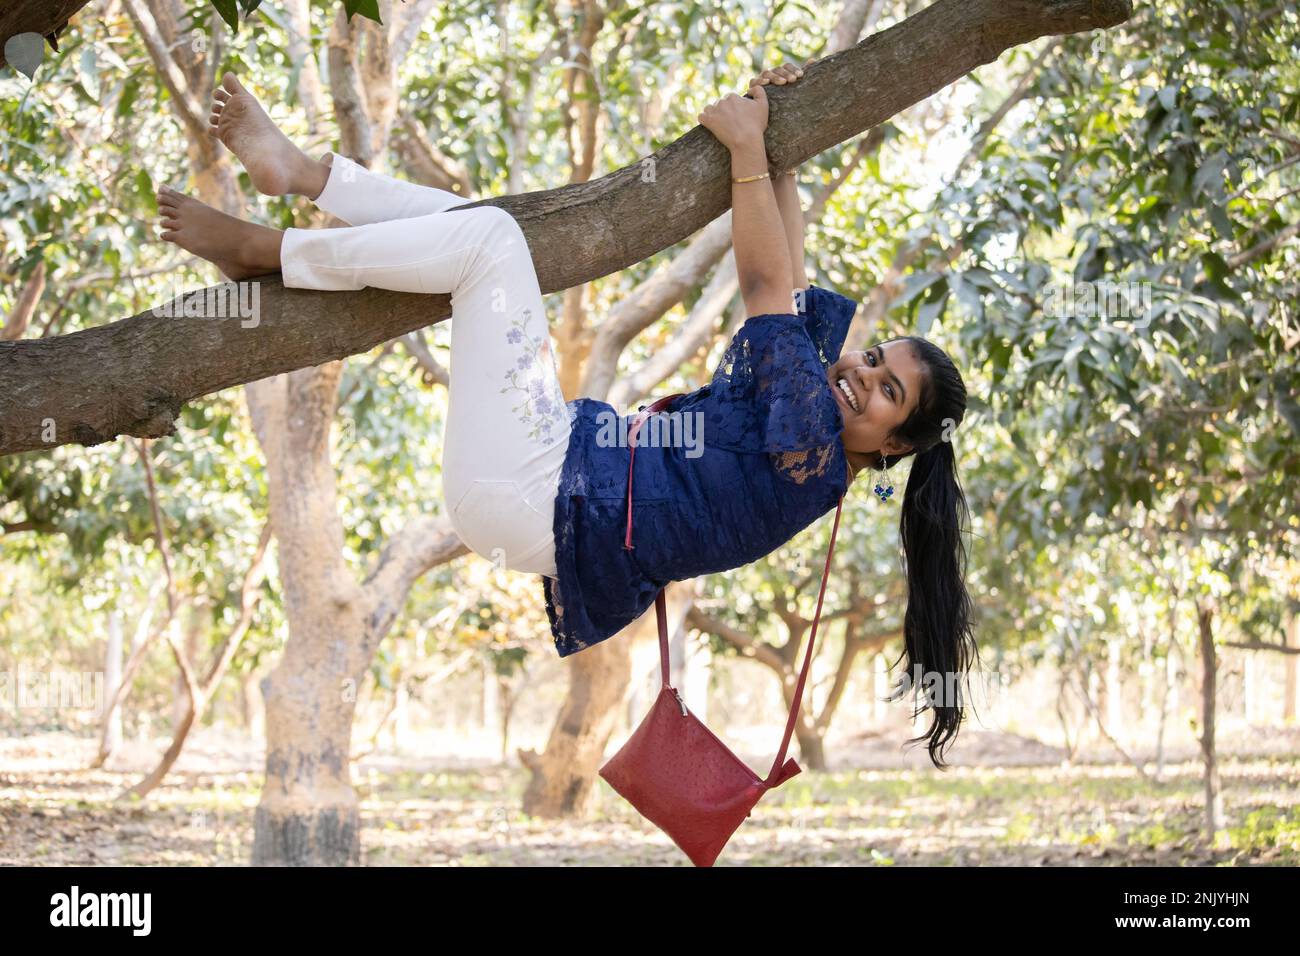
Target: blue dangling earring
<point x="884" y="492"/>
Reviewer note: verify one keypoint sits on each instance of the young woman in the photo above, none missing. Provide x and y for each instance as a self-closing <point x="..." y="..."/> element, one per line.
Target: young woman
<point x="538" y="485"/>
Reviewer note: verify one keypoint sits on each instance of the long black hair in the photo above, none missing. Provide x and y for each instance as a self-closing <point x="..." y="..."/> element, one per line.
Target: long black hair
<point x="937" y="635"/>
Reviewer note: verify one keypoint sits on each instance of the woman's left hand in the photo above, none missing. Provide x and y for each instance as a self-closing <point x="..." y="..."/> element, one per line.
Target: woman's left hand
<point x="789" y="73"/>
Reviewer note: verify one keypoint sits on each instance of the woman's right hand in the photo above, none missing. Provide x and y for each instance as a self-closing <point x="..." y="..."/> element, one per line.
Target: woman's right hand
<point x="740" y="120"/>
<point x="737" y="121"/>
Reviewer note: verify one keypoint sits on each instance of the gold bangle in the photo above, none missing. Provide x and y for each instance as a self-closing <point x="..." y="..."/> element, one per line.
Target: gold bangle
<point x="748" y="179"/>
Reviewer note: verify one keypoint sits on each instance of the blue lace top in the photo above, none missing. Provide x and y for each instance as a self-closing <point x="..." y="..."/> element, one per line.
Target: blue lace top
<point x="729" y="473"/>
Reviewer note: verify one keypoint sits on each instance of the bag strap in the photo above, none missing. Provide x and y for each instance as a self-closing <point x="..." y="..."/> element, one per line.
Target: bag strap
<point x="655" y="406"/>
<point x="807" y="658"/>
<point x="778" y="773"/>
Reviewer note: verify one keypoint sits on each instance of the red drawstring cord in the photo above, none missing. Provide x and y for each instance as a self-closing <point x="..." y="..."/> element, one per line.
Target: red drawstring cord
<point x="627" y="539"/>
<point x="657" y="405"/>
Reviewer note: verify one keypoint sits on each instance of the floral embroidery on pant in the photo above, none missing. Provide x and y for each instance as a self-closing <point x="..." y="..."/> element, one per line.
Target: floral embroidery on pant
<point x="533" y="374"/>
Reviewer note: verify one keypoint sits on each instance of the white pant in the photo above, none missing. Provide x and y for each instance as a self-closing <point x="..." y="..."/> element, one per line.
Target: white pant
<point x="507" y="426"/>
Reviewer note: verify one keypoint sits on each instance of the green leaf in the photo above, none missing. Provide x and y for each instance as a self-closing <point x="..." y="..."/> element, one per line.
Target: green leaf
<point x="144" y="183"/>
<point x="1222" y="224"/>
<point x="932" y="308"/>
<point x="88" y="72"/>
<point x="229" y="11"/>
<point x="367" y="8"/>
<point x="1211" y="172"/>
<point x="1071" y="360"/>
<point x="130" y="90"/>
<point x="1217" y="272"/>
<point x="915" y="284"/>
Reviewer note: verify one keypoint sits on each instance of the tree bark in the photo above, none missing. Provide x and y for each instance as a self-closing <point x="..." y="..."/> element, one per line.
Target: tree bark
<point x="132" y="376"/>
<point x="308" y="814"/>
<point x="1209" y="756"/>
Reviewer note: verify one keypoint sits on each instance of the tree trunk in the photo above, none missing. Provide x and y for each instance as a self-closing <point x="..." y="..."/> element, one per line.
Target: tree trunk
<point x="181" y="704"/>
<point x="111" y="719"/>
<point x="1162" y="718"/>
<point x="698" y="675"/>
<point x="15" y="324"/>
<point x="114" y="692"/>
<point x="563" y="775"/>
<point x="812" y="747"/>
<point x="507" y="697"/>
<point x="1209" y="673"/>
<point x="132" y="376"/>
<point x="308" y="813"/>
<point x="252" y="707"/>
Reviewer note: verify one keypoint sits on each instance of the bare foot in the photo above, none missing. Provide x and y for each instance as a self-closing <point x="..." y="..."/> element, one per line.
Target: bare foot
<point x="239" y="249"/>
<point x="275" y="165"/>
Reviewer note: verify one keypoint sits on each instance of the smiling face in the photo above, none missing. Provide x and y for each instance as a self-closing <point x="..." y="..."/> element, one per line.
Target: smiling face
<point x="876" y="390"/>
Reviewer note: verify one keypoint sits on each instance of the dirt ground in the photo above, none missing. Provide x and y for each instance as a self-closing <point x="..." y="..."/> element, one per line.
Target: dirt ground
<point x="1008" y="800"/>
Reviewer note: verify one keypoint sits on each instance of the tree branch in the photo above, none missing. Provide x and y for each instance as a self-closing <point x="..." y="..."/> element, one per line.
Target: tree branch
<point x="20" y="316"/>
<point x="132" y="376"/>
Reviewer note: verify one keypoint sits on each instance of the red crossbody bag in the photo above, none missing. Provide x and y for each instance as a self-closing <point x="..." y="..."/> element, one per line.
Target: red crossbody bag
<point x="676" y="771"/>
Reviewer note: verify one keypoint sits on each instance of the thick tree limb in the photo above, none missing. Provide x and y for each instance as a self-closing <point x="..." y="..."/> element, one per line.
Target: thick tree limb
<point x="35" y="16"/>
<point x="132" y="376"/>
